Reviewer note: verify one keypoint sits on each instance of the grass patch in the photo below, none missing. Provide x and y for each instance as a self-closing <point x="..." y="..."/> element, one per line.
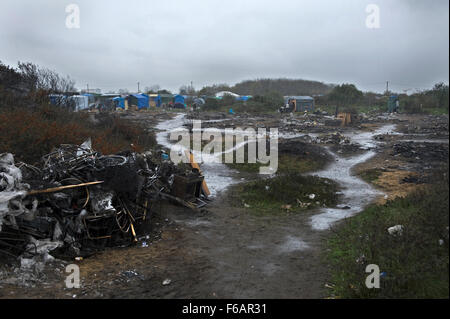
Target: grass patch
<point x="267" y="196"/>
<point x="415" y="263"/>
<point x="370" y="175"/>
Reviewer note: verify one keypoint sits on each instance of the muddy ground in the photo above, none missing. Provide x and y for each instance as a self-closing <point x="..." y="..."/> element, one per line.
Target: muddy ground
<point x="228" y="252"/>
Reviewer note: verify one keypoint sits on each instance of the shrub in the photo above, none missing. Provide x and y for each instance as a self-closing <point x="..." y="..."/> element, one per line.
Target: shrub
<point x="30" y="133"/>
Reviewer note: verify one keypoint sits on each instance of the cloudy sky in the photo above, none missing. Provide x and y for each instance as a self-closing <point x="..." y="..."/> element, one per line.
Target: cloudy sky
<point x="174" y="42"/>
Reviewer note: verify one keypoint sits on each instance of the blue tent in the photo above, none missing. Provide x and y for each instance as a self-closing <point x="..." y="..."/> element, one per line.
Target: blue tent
<point x="119" y="102"/>
<point x="140" y="100"/>
<point x="155" y="100"/>
<point x="243" y="98"/>
<point x="179" y="101"/>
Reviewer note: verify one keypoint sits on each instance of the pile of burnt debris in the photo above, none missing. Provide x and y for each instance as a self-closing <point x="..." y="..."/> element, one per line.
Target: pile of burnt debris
<point x="80" y="201"/>
<point x="421" y="151"/>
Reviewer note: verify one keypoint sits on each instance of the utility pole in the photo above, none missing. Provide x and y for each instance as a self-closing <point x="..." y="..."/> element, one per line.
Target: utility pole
<point x="87" y="87"/>
<point x="387" y="87"/>
<point x="138" y="88"/>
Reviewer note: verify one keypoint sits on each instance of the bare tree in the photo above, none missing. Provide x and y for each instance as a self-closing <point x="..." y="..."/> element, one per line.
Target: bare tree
<point x="37" y="78"/>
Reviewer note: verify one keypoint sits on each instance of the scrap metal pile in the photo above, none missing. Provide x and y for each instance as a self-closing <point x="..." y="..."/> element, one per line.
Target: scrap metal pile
<point x="80" y="201"/>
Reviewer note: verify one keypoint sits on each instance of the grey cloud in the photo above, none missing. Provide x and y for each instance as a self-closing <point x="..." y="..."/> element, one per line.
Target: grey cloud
<point x="173" y="42"/>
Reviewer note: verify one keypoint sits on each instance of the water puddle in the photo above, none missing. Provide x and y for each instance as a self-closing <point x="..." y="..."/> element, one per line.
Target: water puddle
<point x="357" y="194"/>
<point x="292" y="244"/>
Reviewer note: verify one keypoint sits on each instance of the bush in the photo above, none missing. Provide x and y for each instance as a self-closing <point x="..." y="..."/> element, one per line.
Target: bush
<point x="30" y="133"/>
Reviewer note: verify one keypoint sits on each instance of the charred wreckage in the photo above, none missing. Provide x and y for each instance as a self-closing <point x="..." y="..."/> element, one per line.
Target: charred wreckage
<point x="81" y="201"/>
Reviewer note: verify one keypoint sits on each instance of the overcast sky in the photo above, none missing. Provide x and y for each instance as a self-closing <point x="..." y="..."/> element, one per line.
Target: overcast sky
<point x="171" y="43"/>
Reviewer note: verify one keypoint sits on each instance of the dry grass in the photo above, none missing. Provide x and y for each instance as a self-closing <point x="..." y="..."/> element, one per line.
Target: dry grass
<point x="30" y="133"/>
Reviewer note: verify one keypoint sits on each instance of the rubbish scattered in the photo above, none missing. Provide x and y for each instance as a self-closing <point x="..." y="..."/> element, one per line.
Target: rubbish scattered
<point x="312" y="196"/>
<point x="395" y="230"/>
<point x="427" y="151"/>
<point x="80" y="201"/>
<point x="334" y="138"/>
<point x="166" y="282"/>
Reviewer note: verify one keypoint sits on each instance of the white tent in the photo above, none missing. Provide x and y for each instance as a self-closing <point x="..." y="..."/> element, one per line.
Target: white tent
<point x="81" y="102"/>
<point x="222" y="93"/>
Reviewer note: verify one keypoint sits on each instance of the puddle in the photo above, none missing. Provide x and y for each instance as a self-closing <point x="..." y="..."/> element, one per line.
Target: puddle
<point x="292" y="244"/>
<point x="357" y="194"/>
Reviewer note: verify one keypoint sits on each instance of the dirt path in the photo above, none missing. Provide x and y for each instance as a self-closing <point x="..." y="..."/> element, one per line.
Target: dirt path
<point x="250" y="256"/>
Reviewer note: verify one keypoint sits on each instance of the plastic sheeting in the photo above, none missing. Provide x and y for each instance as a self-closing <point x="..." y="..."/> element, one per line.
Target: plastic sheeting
<point x="81" y="102"/>
<point x="140" y="100"/>
<point x="119" y="102"/>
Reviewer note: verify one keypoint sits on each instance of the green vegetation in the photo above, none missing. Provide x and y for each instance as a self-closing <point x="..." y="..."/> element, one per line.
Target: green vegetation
<point x="415" y="263"/>
<point x="262" y="86"/>
<point x="434" y="101"/>
<point x="345" y="94"/>
<point x="370" y="175"/>
<point x="285" y="193"/>
<point x="349" y="98"/>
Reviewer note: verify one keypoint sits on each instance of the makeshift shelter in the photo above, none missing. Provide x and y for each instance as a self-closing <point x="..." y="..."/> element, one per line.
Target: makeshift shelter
<point x="91" y="97"/>
<point x="300" y="103"/>
<point x="179" y="101"/>
<point x="221" y="94"/>
<point x="155" y="100"/>
<point x="393" y="104"/>
<point x="119" y="102"/>
<point x="80" y="102"/>
<point x="57" y="99"/>
<point x="140" y="101"/>
<point x="243" y="98"/>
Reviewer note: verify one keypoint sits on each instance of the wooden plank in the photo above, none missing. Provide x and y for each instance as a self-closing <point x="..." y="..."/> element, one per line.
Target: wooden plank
<point x="60" y="188"/>
<point x="196" y="166"/>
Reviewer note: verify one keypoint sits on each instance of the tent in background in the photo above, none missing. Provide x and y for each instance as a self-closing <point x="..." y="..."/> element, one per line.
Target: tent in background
<point x="179" y="101"/>
<point x="155" y="100"/>
<point x="141" y="101"/>
<point x="119" y="102"/>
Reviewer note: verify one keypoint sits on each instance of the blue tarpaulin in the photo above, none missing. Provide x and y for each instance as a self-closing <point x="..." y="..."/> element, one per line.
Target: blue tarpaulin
<point x="155" y="100"/>
<point x="243" y="98"/>
<point x="178" y="101"/>
<point x="140" y="100"/>
<point x="119" y="102"/>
